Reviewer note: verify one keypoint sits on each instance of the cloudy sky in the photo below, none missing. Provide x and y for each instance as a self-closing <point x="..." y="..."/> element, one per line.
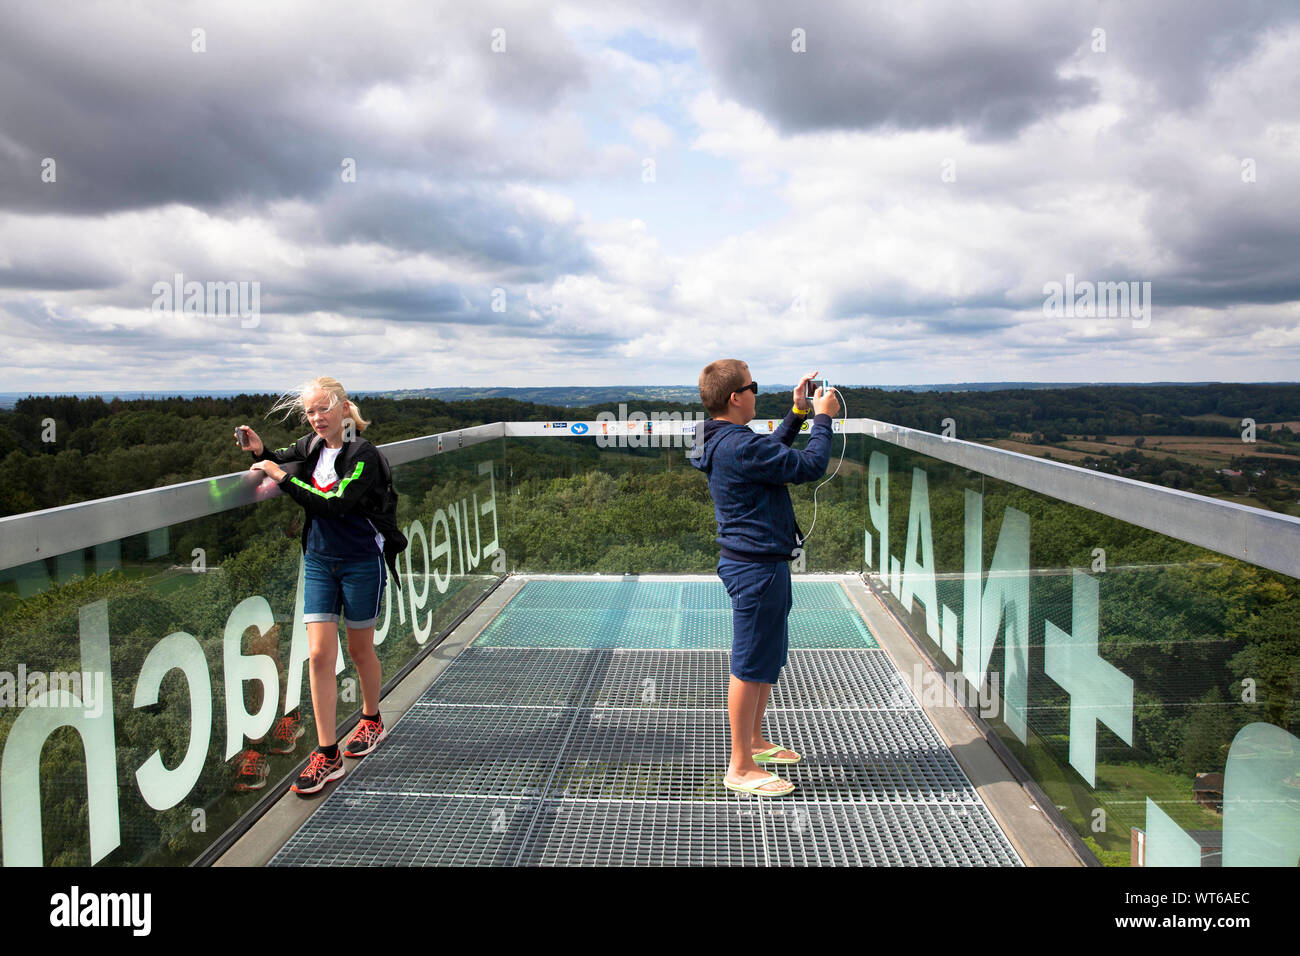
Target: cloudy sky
<point x="417" y="194"/>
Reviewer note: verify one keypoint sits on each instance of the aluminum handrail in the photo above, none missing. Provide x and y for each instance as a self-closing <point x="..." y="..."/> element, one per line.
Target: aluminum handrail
<point x="1263" y="538"/>
<point x="54" y="531"/>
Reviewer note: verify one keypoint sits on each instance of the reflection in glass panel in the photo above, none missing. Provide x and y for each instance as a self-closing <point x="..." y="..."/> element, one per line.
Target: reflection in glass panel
<point x="1117" y="664"/>
<point x="152" y="688"/>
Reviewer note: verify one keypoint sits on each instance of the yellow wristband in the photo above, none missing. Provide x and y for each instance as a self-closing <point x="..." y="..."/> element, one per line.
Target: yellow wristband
<point x="801" y="411"/>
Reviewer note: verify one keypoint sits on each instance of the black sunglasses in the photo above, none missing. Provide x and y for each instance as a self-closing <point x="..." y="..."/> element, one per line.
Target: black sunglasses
<point x="751" y="387"/>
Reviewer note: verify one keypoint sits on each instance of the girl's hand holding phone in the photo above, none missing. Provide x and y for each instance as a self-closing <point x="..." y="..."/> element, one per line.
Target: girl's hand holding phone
<point x="248" y="439"/>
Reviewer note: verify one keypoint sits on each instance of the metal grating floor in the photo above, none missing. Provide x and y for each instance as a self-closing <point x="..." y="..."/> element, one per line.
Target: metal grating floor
<point x="561" y="753"/>
<point x="686" y="615"/>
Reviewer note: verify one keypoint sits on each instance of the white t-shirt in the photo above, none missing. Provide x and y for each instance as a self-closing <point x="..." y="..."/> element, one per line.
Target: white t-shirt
<point x="325" y="476"/>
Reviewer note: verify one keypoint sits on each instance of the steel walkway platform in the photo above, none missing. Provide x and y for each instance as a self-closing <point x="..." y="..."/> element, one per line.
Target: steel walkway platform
<point x="587" y="725"/>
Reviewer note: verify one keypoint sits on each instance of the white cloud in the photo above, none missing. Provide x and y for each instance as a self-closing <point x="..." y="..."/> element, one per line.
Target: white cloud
<point x="652" y="132"/>
<point x="480" y="171"/>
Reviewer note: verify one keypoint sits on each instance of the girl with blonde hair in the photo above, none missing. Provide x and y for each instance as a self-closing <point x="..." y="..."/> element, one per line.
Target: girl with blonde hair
<point x="337" y="477"/>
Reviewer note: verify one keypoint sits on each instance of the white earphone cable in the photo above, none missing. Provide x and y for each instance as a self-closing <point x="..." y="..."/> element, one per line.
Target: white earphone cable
<point x="843" y="448"/>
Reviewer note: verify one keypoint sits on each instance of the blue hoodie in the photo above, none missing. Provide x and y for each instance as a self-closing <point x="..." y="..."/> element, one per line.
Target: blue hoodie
<point x="747" y="475"/>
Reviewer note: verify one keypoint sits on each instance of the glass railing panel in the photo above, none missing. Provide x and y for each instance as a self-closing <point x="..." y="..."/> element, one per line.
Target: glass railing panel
<point x="139" y="668"/>
<point x="1128" y="671"/>
<point x="582" y="504"/>
<point x="628" y="501"/>
<point x="451" y="508"/>
<point x="153" y="687"/>
<point x="1123" y="668"/>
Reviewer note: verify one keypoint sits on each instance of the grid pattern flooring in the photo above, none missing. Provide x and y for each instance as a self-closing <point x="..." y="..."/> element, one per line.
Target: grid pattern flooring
<point x="685" y="615"/>
<point x="545" y="753"/>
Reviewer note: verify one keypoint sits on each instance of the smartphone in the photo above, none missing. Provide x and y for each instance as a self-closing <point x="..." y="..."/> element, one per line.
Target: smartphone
<point x="241" y="436"/>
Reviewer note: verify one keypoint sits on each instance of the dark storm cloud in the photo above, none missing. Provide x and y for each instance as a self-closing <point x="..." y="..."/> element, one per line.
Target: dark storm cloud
<point x="1180" y="46"/>
<point x="468" y="223"/>
<point x="461" y="310"/>
<point x="939" y="315"/>
<point x="961" y="322"/>
<point x="134" y="118"/>
<point x="906" y="67"/>
<point x="991" y="69"/>
<point x="410" y="302"/>
<point x="59" y="323"/>
<point x="1239" y="247"/>
<point x="60" y="277"/>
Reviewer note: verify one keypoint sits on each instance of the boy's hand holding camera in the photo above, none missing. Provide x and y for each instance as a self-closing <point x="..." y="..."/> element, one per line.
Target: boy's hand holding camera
<point x="822" y="404"/>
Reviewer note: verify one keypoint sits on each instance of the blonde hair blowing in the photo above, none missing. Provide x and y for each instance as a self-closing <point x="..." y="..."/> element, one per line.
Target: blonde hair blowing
<point x="291" y="401"/>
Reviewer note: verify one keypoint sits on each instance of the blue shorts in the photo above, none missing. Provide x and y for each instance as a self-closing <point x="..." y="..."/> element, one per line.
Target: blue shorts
<point x="760" y="617"/>
<point x="354" y="587"/>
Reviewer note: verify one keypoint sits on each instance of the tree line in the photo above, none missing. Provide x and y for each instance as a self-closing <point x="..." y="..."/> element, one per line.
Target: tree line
<point x="58" y="450"/>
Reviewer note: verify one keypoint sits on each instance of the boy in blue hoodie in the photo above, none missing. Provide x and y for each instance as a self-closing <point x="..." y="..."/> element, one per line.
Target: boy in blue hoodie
<point x="758" y="535"/>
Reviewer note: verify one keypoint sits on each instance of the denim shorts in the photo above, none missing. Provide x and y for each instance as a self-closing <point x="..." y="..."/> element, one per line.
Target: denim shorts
<point x="760" y="616"/>
<point x="354" y="587"/>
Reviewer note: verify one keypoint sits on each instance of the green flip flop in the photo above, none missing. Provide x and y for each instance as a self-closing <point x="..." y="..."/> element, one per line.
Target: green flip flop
<point x="769" y="756"/>
<point x="752" y="787"/>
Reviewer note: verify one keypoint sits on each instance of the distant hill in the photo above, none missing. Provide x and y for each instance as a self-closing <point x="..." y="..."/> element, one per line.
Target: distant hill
<point x="568" y="396"/>
<point x="584" y="396"/>
<point x="9" y="399"/>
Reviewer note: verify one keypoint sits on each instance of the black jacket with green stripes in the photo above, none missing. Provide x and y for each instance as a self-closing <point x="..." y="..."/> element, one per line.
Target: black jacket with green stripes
<point x="363" y="487"/>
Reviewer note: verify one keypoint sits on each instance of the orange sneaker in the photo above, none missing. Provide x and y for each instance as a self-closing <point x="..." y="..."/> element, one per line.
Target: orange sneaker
<point x="253" y="771"/>
<point x="365" y="738"/>
<point x="320" y="771"/>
